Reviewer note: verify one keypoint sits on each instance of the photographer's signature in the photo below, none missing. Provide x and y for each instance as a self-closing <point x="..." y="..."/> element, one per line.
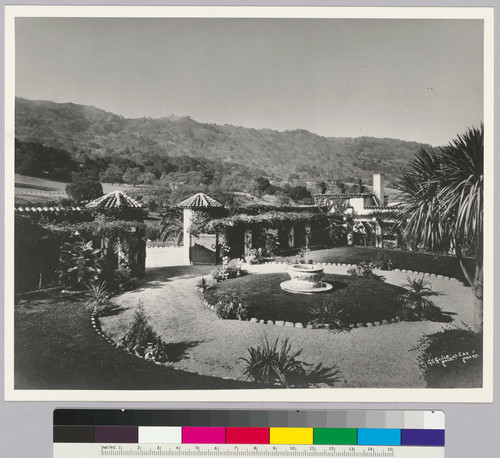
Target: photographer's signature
<point x="461" y="356"/>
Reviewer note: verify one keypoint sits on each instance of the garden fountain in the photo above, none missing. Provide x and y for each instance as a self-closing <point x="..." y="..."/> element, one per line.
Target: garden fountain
<point x="305" y="279"/>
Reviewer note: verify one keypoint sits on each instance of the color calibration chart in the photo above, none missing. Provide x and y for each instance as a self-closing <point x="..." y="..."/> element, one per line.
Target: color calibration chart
<point x="80" y="433"/>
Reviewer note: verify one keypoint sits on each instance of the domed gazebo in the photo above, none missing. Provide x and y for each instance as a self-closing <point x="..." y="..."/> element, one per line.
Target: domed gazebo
<point x="128" y="249"/>
<point x="195" y="246"/>
<point x="119" y="205"/>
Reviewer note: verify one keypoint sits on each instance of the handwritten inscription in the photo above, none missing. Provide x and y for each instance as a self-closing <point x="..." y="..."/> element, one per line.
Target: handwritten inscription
<point x="461" y="356"/>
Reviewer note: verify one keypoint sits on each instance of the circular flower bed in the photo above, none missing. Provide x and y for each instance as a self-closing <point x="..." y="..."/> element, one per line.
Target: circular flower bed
<point x="351" y="300"/>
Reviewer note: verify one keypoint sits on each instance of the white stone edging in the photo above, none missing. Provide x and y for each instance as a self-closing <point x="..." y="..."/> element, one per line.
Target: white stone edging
<point x="97" y="328"/>
<point x="299" y="325"/>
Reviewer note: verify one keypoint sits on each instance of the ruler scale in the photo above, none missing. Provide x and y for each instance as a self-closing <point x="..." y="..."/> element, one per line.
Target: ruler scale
<point x="203" y="433"/>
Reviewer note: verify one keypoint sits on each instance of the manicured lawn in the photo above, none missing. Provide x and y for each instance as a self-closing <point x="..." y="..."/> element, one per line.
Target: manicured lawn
<point x="365" y="299"/>
<point x="421" y="262"/>
<point x="57" y="348"/>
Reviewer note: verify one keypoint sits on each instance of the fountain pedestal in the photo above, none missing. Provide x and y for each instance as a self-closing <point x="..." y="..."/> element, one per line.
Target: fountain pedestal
<point x="305" y="279"/>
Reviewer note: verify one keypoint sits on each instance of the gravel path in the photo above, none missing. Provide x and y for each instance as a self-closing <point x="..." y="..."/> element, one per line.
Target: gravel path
<point x="375" y="357"/>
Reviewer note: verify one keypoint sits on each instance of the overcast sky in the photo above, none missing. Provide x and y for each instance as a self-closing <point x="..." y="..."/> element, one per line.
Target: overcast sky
<point x="416" y="80"/>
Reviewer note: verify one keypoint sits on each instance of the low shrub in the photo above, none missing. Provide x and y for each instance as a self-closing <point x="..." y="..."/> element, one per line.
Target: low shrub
<point x="230" y="307"/>
<point x="451" y="358"/>
<point x="141" y="332"/>
<point x="276" y="365"/>
<point x="381" y="261"/>
<point x="363" y="269"/>
<point x="228" y="271"/>
<point x="80" y="264"/>
<point x="122" y="280"/>
<point x="253" y="256"/>
<point x="156" y="351"/>
<point x="330" y="314"/>
<point x="152" y="229"/>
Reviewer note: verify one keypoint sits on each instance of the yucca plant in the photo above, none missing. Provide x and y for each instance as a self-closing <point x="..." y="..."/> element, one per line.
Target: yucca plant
<point x="415" y="301"/>
<point x="330" y="314"/>
<point x="202" y="285"/>
<point x="320" y="374"/>
<point x="97" y="298"/>
<point x="273" y="364"/>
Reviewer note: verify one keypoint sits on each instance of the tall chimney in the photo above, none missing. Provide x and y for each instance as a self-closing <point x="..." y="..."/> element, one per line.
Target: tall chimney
<point x="378" y="187"/>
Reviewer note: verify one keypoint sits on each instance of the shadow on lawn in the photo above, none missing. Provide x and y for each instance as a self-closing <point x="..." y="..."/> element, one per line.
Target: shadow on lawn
<point x="170" y="273"/>
<point x="178" y="350"/>
<point x="157" y="278"/>
<point x="337" y="285"/>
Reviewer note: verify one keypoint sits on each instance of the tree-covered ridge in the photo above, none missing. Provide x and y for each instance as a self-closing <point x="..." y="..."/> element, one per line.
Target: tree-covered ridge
<point x="86" y="131"/>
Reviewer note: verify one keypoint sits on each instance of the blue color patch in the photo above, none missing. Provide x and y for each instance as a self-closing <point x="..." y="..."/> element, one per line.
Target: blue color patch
<point x="379" y="436"/>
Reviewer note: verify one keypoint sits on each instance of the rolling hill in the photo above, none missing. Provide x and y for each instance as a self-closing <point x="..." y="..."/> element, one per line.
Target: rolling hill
<point x="88" y="130"/>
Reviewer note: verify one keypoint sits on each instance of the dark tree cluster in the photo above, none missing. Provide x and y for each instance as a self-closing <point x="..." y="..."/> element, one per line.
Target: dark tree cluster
<point x="37" y="160"/>
<point x="299" y="193"/>
<point x="84" y="189"/>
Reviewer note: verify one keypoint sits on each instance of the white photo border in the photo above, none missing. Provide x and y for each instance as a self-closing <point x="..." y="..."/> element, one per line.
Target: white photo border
<point x="484" y="394"/>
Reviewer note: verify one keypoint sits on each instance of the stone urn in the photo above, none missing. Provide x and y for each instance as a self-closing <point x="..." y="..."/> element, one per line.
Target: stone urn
<point x="307" y="276"/>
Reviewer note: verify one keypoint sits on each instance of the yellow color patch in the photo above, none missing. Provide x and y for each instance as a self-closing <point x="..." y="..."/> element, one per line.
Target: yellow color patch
<point x="294" y="436"/>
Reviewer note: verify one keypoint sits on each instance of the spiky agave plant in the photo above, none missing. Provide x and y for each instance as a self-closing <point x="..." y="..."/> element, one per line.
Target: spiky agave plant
<point x="415" y="301"/>
<point x="275" y="364"/>
<point x="202" y="284"/>
<point x="272" y="364"/>
<point x="330" y="314"/>
<point x="97" y="298"/>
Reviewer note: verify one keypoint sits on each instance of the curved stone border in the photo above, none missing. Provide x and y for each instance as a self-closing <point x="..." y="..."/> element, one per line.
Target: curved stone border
<point x="368" y="324"/>
<point x="289" y="324"/>
<point x="97" y="328"/>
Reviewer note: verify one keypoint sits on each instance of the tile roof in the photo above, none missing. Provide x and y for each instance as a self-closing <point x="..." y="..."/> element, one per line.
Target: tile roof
<point x="25" y="209"/>
<point x="199" y="200"/>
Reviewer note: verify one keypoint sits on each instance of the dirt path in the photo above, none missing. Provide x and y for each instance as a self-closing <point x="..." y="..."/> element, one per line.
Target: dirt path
<point x="377" y="357"/>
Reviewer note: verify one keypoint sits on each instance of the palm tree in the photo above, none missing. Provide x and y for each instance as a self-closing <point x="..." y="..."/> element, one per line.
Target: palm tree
<point x="172" y="226"/>
<point x="443" y="193"/>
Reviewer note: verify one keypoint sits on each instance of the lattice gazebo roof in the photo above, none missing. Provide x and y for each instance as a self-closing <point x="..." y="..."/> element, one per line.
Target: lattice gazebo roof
<point x="116" y="200"/>
<point x="199" y="200"/>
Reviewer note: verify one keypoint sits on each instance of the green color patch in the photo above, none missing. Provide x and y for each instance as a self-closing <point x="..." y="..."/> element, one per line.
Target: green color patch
<point x="335" y="436"/>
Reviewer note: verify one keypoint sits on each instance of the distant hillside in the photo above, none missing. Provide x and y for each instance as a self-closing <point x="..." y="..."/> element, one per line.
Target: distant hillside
<point x="84" y="130"/>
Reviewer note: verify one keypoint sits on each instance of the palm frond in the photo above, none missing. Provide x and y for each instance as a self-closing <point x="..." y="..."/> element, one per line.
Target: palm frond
<point x="172" y="226"/>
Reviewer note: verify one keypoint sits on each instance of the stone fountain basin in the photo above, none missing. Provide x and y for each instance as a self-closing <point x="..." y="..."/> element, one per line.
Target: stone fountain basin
<point x="307" y="273"/>
<point x="305" y="279"/>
